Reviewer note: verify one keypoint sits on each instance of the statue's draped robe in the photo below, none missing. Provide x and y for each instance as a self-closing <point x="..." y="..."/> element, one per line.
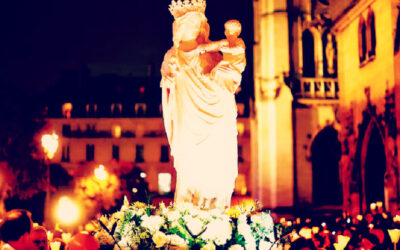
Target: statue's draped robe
<point x="200" y="120"/>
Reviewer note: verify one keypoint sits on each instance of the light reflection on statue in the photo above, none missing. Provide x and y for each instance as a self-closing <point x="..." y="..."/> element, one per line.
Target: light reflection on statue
<point x="199" y="108"/>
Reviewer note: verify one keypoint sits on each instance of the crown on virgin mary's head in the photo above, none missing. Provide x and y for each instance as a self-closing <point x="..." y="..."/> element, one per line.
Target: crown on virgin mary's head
<point x="179" y="8"/>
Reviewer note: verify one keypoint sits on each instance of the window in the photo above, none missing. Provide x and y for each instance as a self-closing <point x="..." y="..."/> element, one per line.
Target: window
<point x="164" y="183"/>
<point x="397" y="39"/>
<point x="89" y="152"/>
<point x="115" y="152"/>
<point x="139" y="153"/>
<point x="91" y="109"/>
<point x="371" y="34"/>
<point x="116" y="109"/>
<point x="140" y="109"/>
<point x="362" y="40"/>
<point x="66" y="130"/>
<point x="240" y="154"/>
<point x="164" y="153"/>
<point x="65" y="154"/>
<point x="308" y="54"/>
<point x="67" y="109"/>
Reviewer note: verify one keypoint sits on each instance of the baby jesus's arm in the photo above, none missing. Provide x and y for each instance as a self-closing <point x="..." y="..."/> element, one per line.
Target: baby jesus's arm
<point x="213" y="46"/>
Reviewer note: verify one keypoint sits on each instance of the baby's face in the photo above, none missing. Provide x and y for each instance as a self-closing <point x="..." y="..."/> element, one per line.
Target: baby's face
<point x="231" y="31"/>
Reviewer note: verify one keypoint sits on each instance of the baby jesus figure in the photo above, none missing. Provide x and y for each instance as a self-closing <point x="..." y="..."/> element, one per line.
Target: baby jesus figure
<point x="230" y="69"/>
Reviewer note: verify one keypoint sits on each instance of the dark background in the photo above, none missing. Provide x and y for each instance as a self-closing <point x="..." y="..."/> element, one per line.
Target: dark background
<point x="41" y="39"/>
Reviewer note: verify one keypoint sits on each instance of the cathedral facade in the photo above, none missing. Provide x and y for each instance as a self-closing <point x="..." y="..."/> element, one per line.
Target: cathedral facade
<point x="326" y="103"/>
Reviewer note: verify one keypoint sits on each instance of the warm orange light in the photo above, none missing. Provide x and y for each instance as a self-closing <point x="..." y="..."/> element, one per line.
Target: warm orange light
<point x="306" y="233"/>
<point x="372" y="206"/>
<point x="67" y="109"/>
<point x="117" y="131"/>
<point x="50" y="144"/>
<point x="394" y="235"/>
<point x="379" y="204"/>
<point x="315" y="230"/>
<point x="342" y="242"/>
<point x="359" y="217"/>
<point x="67" y="211"/>
<point x="240" y="128"/>
<point x="100" y="173"/>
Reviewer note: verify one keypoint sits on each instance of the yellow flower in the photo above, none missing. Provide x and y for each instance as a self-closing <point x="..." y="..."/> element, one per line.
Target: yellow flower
<point x="160" y="239"/>
<point x="139" y="205"/>
<point x="209" y="246"/>
<point x="119" y="215"/>
<point x="143" y="236"/>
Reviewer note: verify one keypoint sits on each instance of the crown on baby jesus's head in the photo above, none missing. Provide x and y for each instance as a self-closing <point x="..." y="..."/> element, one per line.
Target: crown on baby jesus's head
<point x="179" y="8"/>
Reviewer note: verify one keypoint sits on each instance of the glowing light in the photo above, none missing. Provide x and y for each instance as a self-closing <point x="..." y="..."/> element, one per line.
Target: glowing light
<point x="50" y="144"/>
<point x="116" y="131"/>
<point x="164" y="182"/>
<point x="323" y="224"/>
<point x="100" y="173"/>
<point x="379" y="204"/>
<point x="396" y="218"/>
<point x="67" y="109"/>
<point x="240" y="128"/>
<point x="66" y="237"/>
<point x="342" y="242"/>
<point x="55" y="245"/>
<point x="134" y="190"/>
<point x="359" y="217"/>
<point x="315" y="230"/>
<point x="348" y="220"/>
<point x="371" y="226"/>
<point x="306" y="233"/>
<point x="143" y="175"/>
<point x="67" y="211"/>
<point x="372" y="206"/>
<point x="394" y="235"/>
<point x="49" y="235"/>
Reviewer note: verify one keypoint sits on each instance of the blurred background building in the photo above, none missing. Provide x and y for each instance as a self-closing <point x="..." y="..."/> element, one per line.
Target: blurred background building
<point x="326" y="147"/>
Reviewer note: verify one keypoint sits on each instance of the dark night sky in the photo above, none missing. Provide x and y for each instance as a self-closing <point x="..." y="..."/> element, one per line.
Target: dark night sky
<point x="40" y="38"/>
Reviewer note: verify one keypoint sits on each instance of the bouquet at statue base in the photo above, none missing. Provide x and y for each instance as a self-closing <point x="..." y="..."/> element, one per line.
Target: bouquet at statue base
<point x="142" y="226"/>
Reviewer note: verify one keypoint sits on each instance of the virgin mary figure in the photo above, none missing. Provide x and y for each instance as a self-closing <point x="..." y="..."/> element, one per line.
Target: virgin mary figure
<point x="199" y="112"/>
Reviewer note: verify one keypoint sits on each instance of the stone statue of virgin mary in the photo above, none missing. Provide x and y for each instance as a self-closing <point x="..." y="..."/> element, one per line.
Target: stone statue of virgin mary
<point x="199" y="110"/>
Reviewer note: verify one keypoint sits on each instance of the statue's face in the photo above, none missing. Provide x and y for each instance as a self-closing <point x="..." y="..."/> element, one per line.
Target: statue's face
<point x="188" y="27"/>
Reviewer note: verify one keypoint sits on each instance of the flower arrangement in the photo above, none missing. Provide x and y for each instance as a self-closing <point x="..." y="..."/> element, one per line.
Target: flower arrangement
<point x="183" y="226"/>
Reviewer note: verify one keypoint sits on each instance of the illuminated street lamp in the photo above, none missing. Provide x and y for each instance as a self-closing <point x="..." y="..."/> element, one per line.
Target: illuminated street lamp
<point x="67" y="211"/>
<point x="50" y="145"/>
<point x="100" y="173"/>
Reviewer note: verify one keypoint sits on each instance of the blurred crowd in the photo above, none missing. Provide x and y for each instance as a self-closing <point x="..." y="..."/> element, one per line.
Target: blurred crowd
<point x="375" y="229"/>
<point x="18" y="232"/>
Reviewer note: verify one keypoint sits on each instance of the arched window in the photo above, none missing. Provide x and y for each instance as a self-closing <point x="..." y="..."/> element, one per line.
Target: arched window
<point x="362" y="40"/>
<point x="371" y="34"/>
<point x="308" y="54"/>
<point x="397" y="39"/>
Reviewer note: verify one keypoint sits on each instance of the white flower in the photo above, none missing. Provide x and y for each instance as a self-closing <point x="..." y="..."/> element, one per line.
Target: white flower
<point x="245" y="230"/>
<point x="160" y="239"/>
<point x="173" y="215"/>
<point x="265" y="245"/>
<point x="236" y="247"/>
<point x="175" y="240"/>
<point x="219" y="230"/>
<point x="152" y="222"/>
<point x="195" y="225"/>
<point x="209" y="246"/>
